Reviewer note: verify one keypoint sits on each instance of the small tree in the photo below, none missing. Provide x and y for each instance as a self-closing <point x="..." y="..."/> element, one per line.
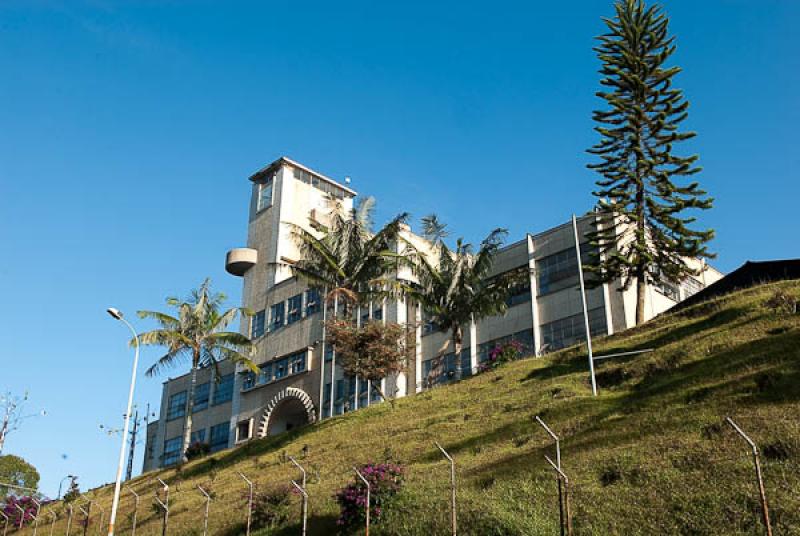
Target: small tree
<point x="12" y="410"/>
<point x="372" y="352"/>
<point x="17" y="472"/>
<point x="74" y="490"/>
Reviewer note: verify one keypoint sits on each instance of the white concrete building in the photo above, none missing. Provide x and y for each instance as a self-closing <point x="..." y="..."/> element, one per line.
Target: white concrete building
<point x="300" y="384"/>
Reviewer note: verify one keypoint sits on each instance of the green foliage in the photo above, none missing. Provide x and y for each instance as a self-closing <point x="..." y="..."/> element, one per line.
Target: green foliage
<point x="197" y="335"/>
<point x="198" y="449"/>
<point x="349" y="260"/>
<point x="73" y="492"/>
<point x="15" y="470"/>
<point x="454" y="286"/>
<point x="644" y="233"/>
<point x="272" y="508"/>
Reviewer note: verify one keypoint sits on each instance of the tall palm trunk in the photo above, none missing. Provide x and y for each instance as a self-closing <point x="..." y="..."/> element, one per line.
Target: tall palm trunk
<point x="187" y="426"/>
<point x="458" y="342"/>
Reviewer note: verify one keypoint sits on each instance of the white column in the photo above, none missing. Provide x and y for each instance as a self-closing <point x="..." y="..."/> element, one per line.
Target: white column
<point x="537" y="332"/>
<point x="473" y="346"/>
<point x="418" y="349"/>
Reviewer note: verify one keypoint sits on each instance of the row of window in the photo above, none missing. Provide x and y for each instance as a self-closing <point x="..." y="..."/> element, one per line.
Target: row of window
<point x="560" y="270"/>
<point x="346" y="396"/>
<point x="277" y="370"/>
<point x="568" y="331"/>
<point x="218" y="440"/>
<point x="308" y="178"/>
<point x="223" y="392"/>
<point x="286" y="312"/>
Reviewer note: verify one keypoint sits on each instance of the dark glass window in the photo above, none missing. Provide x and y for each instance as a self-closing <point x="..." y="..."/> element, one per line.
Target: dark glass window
<point x="177" y="406"/>
<point x="172" y="451"/>
<point x="571" y="330"/>
<point x="560" y="270"/>
<point x="313" y="304"/>
<point x="223" y="390"/>
<point x="276" y="314"/>
<point x="201" y="396"/>
<point x="198" y="436"/>
<point x="295" y="312"/>
<point x="265" y="194"/>
<point x="257" y="324"/>
<point x="297" y="362"/>
<point x="219" y="437"/>
<point x="281" y="368"/>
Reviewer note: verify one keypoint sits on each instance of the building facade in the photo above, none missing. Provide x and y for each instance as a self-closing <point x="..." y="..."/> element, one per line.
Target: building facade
<point x="300" y="383"/>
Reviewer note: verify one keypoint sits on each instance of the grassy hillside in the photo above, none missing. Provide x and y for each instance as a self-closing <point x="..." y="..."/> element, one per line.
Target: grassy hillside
<point x="650" y="455"/>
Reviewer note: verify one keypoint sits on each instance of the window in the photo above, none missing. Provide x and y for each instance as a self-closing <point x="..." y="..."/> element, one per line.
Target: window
<point x="669" y="289"/>
<point x="328" y="352"/>
<point x="690" y="287"/>
<point x="265" y="194"/>
<point x="520" y="293"/>
<point x="377" y="312"/>
<point x="219" y="437"/>
<point x="295" y="309"/>
<point x="249" y="380"/>
<point x="223" y="391"/>
<point x="281" y="368"/>
<point x="276" y="316"/>
<point x="331" y="189"/>
<point x="560" y="270"/>
<point x="198" y="436"/>
<point x="326" y="401"/>
<point x="297" y="362"/>
<point x="570" y="330"/>
<point x="172" y="451"/>
<point x="177" y="406"/>
<point x="265" y="376"/>
<point x="201" y="395"/>
<point x="242" y="430"/>
<point x="257" y="324"/>
<point x="428" y="325"/>
<point x="312" y="301"/>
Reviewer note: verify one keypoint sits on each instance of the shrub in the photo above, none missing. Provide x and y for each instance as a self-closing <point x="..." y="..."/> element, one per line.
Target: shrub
<point x="271" y="508"/>
<point x="501" y="353"/>
<point x="198" y="449"/>
<point x="385" y="479"/>
<point x="782" y="302"/>
<point x="10" y="509"/>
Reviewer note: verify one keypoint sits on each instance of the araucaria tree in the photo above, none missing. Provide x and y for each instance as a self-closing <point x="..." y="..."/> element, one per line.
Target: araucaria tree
<point x="644" y="233"/>
<point x="198" y="335"/>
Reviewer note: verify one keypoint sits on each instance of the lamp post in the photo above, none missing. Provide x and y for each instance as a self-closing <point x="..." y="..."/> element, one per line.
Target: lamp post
<point x="68" y="477"/>
<point x="117" y="315"/>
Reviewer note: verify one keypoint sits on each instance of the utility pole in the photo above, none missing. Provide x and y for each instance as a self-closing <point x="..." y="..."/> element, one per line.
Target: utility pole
<point x="132" y="450"/>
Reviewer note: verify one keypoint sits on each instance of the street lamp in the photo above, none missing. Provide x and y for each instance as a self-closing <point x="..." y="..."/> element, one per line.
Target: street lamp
<point x="62" y="483"/>
<point x="117" y="315"/>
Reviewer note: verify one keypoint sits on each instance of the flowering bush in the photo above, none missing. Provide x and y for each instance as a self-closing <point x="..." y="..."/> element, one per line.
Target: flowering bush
<point x="501" y="353"/>
<point x="271" y="508"/>
<point x="197" y="449"/>
<point x="13" y="513"/>
<point x="385" y="480"/>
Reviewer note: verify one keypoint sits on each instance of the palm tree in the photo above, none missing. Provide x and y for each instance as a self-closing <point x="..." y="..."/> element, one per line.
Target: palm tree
<point x="456" y="288"/>
<point x="349" y="259"/>
<point x="197" y="334"/>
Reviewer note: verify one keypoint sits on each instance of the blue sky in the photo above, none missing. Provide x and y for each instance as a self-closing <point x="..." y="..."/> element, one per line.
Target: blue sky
<point x="128" y="131"/>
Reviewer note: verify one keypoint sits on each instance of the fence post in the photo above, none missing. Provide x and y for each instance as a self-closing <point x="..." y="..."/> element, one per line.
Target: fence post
<point x="36" y="515"/>
<point x="249" y="502"/>
<point x="164" y="506"/>
<point x="88" y="516"/>
<point x="366" y="483"/>
<point x="305" y="505"/>
<point x="5" y="527"/>
<point x="205" y="516"/>
<point x="453" y="522"/>
<point x="102" y="519"/>
<point x="53" y="522"/>
<point x="558" y="462"/>
<point x="759" y="479"/>
<point x="302" y="470"/>
<point x="21" y="515"/>
<point x="135" y="509"/>
<point x="560" y="474"/>
<point x="69" y="519"/>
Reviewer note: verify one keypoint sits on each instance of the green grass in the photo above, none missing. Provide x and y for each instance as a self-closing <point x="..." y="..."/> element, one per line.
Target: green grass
<point x="650" y="455"/>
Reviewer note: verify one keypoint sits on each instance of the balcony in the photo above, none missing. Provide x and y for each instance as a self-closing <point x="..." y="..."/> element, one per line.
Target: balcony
<point x="239" y="260"/>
